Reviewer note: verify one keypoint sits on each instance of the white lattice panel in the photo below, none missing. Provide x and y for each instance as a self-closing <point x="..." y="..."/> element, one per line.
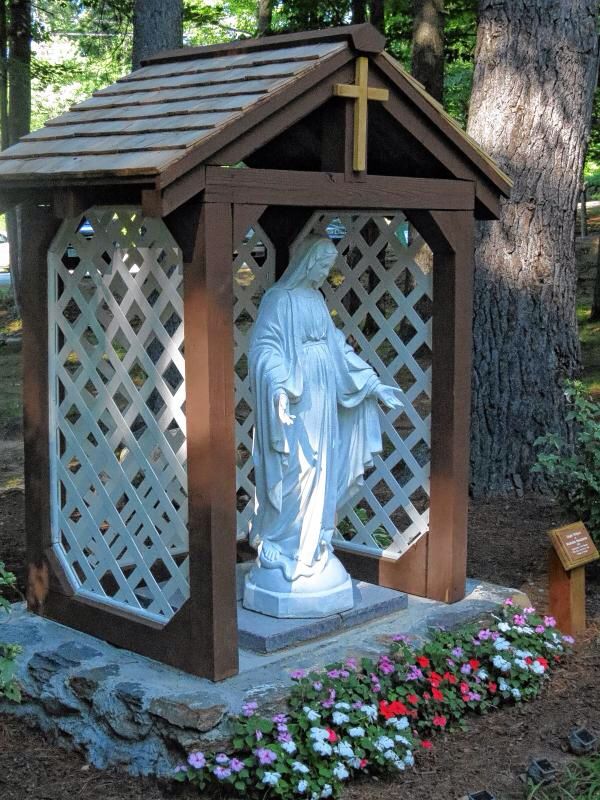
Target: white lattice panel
<point x="382" y="300"/>
<point x="117" y="412"/>
<point x="253" y="273"/>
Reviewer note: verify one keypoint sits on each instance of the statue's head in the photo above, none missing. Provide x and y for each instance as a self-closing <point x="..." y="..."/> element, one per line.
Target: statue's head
<point x="310" y="263"/>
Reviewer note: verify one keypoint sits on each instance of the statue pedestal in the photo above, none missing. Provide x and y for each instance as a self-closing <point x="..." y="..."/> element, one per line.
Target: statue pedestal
<point x="329" y="592"/>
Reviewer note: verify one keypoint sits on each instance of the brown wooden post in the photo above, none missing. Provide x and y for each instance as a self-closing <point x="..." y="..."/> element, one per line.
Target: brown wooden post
<point x="208" y="308"/>
<point x="567" y="596"/>
<point x="450" y="407"/>
<point x="40" y="227"/>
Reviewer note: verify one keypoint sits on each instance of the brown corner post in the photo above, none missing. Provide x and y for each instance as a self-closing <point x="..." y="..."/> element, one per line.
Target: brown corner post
<point x="452" y="245"/>
<point x="208" y="304"/>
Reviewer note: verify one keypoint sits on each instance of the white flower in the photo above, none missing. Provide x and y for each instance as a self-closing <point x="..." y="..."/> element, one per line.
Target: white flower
<point x="501" y="663"/>
<point x="516" y="693"/>
<point x="339" y="718"/>
<point x="523" y="654"/>
<point x="528" y="630"/>
<point x="354" y="763"/>
<point x="343" y="706"/>
<point x="298" y="766"/>
<point x="322" y="748"/>
<point x="326" y="791"/>
<point x="503" y="685"/>
<point x="340" y="771"/>
<point x="318" y="734"/>
<point x="344" y="750"/>
<point x="384" y="743"/>
<point x="398" y="723"/>
<point x="501" y="644"/>
<point x="370" y="712"/>
<point x="391" y="755"/>
<point x="271" y="778"/>
<point x="503" y="626"/>
<point x="289" y="747"/>
<point x="402" y="740"/>
<point x="311" y="714"/>
<point x="409" y="759"/>
<point x="483" y="675"/>
<point x="521" y="663"/>
<point x="358" y="731"/>
<point x="537" y="668"/>
<point x="302" y="786"/>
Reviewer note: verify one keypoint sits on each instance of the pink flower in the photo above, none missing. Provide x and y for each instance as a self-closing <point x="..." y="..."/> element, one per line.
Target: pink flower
<point x="529" y="610"/>
<point x="508" y="602"/>
<point x="519" y="619"/>
<point x="568" y="639"/>
<point x="440" y="721"/>
<point x="265" y="756"/>
<point x="385" y="665"/>
<point x="351" y="663"/>
<point x="549" y="622"/>
<point x="539" y="628"/>
<point x="297" y="674"/>
<point x="248" y="709"/>
<point x="484" y="634"/>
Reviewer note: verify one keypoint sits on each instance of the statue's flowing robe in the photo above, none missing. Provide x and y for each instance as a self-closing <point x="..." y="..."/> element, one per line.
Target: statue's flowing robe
<point x="305" y="471"/>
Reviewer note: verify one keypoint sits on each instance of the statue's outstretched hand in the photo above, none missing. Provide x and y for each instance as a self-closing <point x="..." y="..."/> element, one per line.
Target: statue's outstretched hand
<point x="282" y="403"/>
<point x="390" y="396"/>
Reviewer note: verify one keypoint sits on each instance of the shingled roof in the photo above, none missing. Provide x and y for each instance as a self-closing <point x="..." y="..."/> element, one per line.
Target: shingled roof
<point x="196" y="100"/>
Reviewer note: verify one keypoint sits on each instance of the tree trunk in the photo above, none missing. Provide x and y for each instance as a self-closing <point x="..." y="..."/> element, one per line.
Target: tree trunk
<point x="157" y="25"/>
<point x="359" y="11"/>
<point x="377" y="17"/>
<point x="428" y="45"/>
<point x="19" y="118"/>
<point x="535" y="73"/>
<point x="3" y="76"/>
<point x="595" y="313"/>
<point x="264" y="17"/>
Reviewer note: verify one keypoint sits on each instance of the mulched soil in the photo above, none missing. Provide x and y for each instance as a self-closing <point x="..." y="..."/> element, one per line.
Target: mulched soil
<point x="507" y="545"/>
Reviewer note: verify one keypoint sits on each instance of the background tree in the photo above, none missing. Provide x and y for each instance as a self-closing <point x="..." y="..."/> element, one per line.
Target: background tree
<point x="535" y="74"/>
<point x="428" y="45"/>
<point x="264" y="17"/>
<point x="157" y="25"/>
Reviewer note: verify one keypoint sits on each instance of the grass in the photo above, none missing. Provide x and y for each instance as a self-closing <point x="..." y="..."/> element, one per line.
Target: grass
<point x="10" y="380"/>
<point x="579" y="781"/>
<point x="589" y="336"/>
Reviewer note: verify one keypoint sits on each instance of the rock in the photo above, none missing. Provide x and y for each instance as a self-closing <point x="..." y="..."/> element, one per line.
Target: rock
<point x="85" y="684"/>
<point x="124" y="713"/>
<point x="76" y="651"/>
<point x="196" y="711"/>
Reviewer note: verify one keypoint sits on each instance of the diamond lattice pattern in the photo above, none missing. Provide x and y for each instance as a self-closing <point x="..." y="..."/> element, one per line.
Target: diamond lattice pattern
<point x="117" y="412"/>
<point x="380" y="294"/>
<point x="253" y="273"/>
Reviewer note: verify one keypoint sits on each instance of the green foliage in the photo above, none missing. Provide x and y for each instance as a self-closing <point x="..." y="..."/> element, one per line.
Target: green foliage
<point x="580" y="781"/>
<point x="9" y="687"/>
<point x="366" y="718"/>
<point x="593" y="185"/>
<point x="574" y="471"/>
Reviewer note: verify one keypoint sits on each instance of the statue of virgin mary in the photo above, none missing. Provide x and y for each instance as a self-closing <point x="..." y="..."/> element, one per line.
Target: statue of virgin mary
<point x="316" y="432"/>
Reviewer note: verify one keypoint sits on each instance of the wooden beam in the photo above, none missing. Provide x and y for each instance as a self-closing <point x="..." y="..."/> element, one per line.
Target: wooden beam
<point x="208" y="304"/>
<point x="332" y="190"/>
<point x="450" y="236"/>
<point x="365" y="38"/>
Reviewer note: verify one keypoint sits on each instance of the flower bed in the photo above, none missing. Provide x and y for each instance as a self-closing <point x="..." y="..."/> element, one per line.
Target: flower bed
<point x="369" y="717"/>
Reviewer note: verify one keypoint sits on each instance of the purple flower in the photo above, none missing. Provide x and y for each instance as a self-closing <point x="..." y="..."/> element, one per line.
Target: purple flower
<point x="466" y="669"/>
<point x="248" y="709"/>
<point x="344" y="673"/>
<point x="221" y="758"/>
<point x="549" y="622"/>
<point x="568" y="639"/>
<point x="519" y="619"/>
<point x="414" y="673"/>
<point x="317" y="686"/>
<point x="357" y="704"/>
<point x="284" y="736"/>
<point x="282" y="727"/>
<point x="450" y="662"/>
<point x="221" y="773"/>
<point x="181" y="768"/>
<point x="265" y="756"/>
<point x="333" y="674"/>
<point x="495" y="635"/>
<point x="297" y="674"/>
<point x="375" y="685"/>
<point x="484" y="634"/>
<point x="197" y="760"/>
<point x="457" y="652"/>
<point x="539" y="628"/>
<point x="474" y="696"/>
<point x="235" y="765"/>
<point x="351" y="663"/>
<point x="280" y="719"/>
<point x="400" y="637"/>
<point x="386" y="666"/>
<point x="529" y="610"/>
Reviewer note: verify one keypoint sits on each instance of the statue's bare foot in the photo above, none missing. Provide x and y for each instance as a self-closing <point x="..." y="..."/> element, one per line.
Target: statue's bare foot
<point x="270" y="552"/>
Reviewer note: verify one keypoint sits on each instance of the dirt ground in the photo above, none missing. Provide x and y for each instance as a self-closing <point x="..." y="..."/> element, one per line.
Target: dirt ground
<point x="507" y="545"/>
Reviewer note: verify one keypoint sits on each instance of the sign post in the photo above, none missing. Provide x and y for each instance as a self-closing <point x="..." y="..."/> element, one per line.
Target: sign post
<point x="572" y="549"/>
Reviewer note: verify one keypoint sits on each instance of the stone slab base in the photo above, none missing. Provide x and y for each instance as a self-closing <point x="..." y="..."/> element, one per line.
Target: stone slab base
<point x="264" y="634"/>
<point x="124" y="710"/>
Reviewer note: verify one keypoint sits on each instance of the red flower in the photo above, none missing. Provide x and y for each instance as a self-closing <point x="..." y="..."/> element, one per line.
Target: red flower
<point x="423" y="661"/>
<point x="492" y="687"/>
<point x="412" y="698"/>
<point x="426" y="744"/>
<point x="331" y="736"/>
<point x="426" y="695"/>
<point x="464" y="688"/>
<point x="363" y="763"/>
<point x="393" y="709"/>
<point x="541" y="660"/>
<point x="529" y="660"/>
<point x="437" y="695"/>
<point x="435" y="679"/>
<point x="440" y="722"/>
<point x="448" y="676"/>
<point x="474" y="663"/>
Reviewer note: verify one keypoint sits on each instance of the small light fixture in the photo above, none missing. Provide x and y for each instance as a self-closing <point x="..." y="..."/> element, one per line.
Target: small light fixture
<point x="582" y="741"/>
<point x="482" y="795"/>
<point x="541" y="771"/>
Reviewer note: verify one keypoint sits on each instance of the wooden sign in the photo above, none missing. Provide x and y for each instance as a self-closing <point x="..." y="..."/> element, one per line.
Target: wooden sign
<point x="573" y="545"/>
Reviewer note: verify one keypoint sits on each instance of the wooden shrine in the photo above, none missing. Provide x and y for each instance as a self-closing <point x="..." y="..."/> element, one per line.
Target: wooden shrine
<point x="155" y="215"/>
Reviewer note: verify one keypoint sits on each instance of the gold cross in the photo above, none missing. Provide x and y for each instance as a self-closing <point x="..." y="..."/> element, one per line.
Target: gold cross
<point x="362" y="93"/>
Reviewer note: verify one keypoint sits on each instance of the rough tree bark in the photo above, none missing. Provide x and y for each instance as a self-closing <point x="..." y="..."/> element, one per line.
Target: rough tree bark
<point x="428" y="45"/>
<point x="19" y="118"/>
<point x="264" y="17"/>
<point x="359" y="11"/>
<point x="377" y="17"/>
<point x="535" y="73"/>
<point x="157" y="25"/>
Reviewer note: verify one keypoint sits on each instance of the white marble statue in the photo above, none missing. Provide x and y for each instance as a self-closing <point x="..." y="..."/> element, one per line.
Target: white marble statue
<point x="316" y="431"/>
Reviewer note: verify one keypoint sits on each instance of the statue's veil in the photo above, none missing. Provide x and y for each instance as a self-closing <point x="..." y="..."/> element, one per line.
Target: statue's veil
<point x="302" y="258"/>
